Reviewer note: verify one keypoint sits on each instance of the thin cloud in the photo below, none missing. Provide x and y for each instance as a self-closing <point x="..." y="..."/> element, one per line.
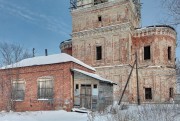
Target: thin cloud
<point x="48" y="22"/>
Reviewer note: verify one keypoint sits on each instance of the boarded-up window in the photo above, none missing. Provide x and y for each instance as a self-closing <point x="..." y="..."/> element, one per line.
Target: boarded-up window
<point x="98" y="52"/>
<point x="147" y="53"/>
<point x="18" y="90"/>
<point x="148" y="93"/>
<point x="45" y="89"/>
<point x="171" y="92"/>
<point x="99" y="1"/>
<point x="169" y="53"/>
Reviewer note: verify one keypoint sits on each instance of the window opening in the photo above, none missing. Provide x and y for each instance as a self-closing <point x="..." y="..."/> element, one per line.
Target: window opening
<point x="95" y="86"/>
<point x="77" y="86"/>
<point x="171" y="92"/>
<point x="98" y="53"/>
<point x="99" y="1"/>
<point x="169" y="53"/>
<point x="99" y="18"/>
<point x="147" y="53"/>
<point x="148" y="93"/>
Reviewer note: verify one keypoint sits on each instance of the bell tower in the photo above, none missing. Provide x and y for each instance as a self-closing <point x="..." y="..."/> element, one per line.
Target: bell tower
<point x="102" y="33"/>
<point x="104" y="27"/>
<point x="106" y="34"/>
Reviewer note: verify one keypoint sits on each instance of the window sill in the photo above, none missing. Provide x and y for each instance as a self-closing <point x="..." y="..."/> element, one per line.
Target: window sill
<point x="148" y="100"/>
<point x="44" y="99"/>
<point x="18" y="100"/>
<point x="147" y="59"/>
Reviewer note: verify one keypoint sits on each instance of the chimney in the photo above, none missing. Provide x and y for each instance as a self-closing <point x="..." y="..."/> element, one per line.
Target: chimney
<point x="46" y="52"/>
<point x="33" y="52"/>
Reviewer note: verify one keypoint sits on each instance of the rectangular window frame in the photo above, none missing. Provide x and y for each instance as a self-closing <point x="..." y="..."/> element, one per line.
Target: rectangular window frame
<point x="148" y="94"/>
<point x="98" y="52"/>
<point x="16" y="92"/>
<point x="45" y="93"/>
<point x="147" y="52"/>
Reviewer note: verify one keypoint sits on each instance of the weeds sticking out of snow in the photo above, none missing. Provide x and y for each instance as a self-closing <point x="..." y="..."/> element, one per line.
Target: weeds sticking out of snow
<point x="145" y="112"/>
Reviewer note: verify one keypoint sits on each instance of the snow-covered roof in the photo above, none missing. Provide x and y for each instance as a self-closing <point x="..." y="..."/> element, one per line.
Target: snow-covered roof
<point x="44" y="60"/>
<point x="95" y="76"/>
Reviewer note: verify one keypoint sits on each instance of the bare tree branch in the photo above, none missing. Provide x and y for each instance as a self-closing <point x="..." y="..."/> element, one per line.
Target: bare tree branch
<point x="173" y="6"/>
<point x="11" y="53"/>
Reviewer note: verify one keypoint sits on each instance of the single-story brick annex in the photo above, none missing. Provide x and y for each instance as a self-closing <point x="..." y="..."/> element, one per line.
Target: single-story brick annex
<point x="52" y="82"/>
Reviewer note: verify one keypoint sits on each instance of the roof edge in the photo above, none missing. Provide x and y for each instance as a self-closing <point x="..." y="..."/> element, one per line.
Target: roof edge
<point x="92" y="75"/>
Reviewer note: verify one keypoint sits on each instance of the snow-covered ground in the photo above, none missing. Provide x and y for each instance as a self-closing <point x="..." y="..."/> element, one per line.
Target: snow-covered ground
<point x="160" y="112"/>
<point x="43" y="116"/>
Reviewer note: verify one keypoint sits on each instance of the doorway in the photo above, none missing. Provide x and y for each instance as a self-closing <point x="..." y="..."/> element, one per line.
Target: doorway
<point x="86" y="93"/>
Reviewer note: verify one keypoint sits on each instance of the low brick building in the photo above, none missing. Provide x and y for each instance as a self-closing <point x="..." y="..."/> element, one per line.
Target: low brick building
<point x="49" y="83"/>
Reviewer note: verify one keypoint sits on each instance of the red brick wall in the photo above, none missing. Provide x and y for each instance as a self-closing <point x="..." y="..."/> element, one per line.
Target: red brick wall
<point x="159" y="49"/>
<point x="67" y="50"/>
<point x="63" y="86"/>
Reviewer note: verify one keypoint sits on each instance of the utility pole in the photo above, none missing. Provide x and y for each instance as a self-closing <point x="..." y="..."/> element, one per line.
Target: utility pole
<point x="138" y="97"/>
<point x="127" y="83"/>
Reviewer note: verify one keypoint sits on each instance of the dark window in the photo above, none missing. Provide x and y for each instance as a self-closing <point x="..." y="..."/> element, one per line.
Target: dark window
<point x="169" y="53"/>
<point x="99" y="1"/>
<point x="99" y="18"/>
<point x="18" y="90"/>
<point x="148" y="93"/>
<point x="147" y="53"/>
<point x="171" y="92"/>
<point x="77" y="86"/>
<point x="98" y="53"/>
<point x="45" y="89"/>
<point x="95" y="86"/>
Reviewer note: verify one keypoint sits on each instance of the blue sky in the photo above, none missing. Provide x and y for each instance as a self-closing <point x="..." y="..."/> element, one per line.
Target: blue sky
<point x="43" y="24"/>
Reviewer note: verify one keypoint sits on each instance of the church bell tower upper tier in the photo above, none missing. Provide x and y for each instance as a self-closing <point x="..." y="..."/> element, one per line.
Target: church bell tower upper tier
<point x="92" y="14"/>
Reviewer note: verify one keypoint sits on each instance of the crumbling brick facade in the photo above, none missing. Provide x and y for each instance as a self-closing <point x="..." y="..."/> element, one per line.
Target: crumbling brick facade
<point x="112" y="25"/>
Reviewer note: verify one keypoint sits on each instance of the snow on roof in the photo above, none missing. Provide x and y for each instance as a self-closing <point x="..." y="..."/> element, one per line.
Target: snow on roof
<point x="44" y="60"/>
<point x="93" y="76"/>
<point x="158" y="26"/>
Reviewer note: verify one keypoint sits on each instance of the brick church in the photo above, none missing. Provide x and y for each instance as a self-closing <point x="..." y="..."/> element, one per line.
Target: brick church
<point x="106" y="35"/>
<point x="94" y="65"/>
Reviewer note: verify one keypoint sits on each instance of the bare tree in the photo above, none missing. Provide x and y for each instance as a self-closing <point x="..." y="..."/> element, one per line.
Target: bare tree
<point x="173" y="6"/>
<point x="10" y="53"/>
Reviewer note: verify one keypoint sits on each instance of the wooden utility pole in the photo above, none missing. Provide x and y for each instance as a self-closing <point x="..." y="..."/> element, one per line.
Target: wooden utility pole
<point x="127" y="83"/>
<point x="138" y="98"/>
